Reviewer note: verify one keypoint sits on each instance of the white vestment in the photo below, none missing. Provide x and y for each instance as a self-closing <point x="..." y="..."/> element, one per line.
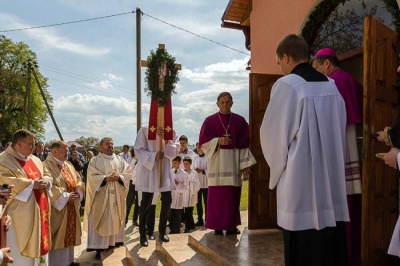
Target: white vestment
<point x="147" y="166"/>
<point x="177" y="194"/>
<point x="99" y="237"/>
<point x="303" y="140"/>
<point x="190" y="194"/>
<point x="224" y="165"/>
<point x="394" y="247"/>
<point x="201" y="163"/>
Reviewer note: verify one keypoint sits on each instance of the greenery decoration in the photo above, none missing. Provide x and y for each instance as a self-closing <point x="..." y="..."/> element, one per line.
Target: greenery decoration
<point x="326" y="7"/>
<point x="393" y="7"/>
<point x="154" y="61"/>
<point x="317" y="17"/>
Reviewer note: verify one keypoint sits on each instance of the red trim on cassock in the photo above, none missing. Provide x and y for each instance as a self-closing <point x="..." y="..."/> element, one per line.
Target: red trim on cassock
<point x="168" y="128"/>
<point x="153" y="119"/>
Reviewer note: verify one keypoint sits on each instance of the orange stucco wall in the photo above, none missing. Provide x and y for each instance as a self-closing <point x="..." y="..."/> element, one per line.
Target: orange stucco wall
<point x="270" y="22"/>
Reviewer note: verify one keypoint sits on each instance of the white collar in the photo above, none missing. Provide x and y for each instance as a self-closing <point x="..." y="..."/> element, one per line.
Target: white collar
<point x="57" y="161"/>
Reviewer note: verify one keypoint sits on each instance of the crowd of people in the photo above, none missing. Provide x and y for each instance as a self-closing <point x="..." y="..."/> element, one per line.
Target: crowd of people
<point x="307" y="138"/>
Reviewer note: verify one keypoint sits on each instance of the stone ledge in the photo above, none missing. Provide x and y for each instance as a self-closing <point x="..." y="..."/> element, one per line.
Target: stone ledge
<point x="117" y="256"/>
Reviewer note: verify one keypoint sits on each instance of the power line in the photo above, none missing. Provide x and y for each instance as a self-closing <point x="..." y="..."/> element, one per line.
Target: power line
<point x="86" y="87"/>
<point x="120" y="14"/>
<point x="81" y="77"/>
<point x="70" y="22"/>
<point x="195" y="34"/>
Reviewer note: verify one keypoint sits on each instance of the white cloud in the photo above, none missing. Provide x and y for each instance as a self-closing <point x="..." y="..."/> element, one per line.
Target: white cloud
<point x="49" y="38"/>
<point x="106" y="84"/>
<point x="99" y="116"/>
<point x="113" y="77"/>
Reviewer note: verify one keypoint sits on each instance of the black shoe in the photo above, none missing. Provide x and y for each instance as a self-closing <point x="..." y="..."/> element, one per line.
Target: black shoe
<point x="164" y="238"/>
<point x="75" y="264"/>
<point x="135" y="223"/>
<point x="119" y="244"/>
<point x="151" y="237"/>
<point x="186" y="231"/>
<point x="98" y="256"/>
<point x="199" y="223"/>
<point x="234" y="232"/>
<point x="218" y="232"/>
<point x="143" y="241"/>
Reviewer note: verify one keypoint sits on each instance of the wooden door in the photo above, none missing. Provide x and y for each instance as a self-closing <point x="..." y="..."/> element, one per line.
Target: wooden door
<point x="262" y="201"/>
<point x="381" y="108"/>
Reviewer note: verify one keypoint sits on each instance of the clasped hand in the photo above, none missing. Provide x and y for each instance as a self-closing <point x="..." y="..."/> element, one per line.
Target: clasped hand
<point x="73" y="196"/>
<point x="113" y="177"/>
<point x="224" y="141"/>
<point x="40" y="183"/>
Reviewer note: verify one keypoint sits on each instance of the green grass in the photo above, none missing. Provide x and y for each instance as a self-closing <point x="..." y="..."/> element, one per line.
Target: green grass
<point x="244" y="202"/>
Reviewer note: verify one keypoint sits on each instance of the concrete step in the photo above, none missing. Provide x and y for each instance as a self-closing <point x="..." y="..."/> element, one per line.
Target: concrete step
<point x="254" y="248"/>
<point x="117" y="257"/>
<point x="146" y="256"/>
<point x="178" y="252"/>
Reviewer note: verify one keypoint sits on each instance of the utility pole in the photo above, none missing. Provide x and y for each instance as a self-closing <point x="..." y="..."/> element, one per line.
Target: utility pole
<point x="138" y="70"/>
<point x="27" y="97"/>
<point x="47" y="104"/>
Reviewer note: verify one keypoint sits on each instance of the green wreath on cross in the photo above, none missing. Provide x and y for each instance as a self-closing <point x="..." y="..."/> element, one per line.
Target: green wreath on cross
<point x="154" y="60"/>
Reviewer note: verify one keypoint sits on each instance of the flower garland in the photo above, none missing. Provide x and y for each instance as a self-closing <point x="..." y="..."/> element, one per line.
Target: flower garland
<point x="154" y="61"/>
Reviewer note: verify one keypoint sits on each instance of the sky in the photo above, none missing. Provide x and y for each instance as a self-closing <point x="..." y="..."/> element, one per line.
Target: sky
<point x="91" y="66"/>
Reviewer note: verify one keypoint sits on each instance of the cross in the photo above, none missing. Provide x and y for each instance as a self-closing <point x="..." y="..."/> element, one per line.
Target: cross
<point x="144" y="63"/>
<point x="32" y="173"/>
<point x="152" y="129"/>
<point x="162" y="74"/>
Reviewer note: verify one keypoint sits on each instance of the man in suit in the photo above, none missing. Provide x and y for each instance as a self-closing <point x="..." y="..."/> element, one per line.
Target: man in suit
<point x="39" y="151"/>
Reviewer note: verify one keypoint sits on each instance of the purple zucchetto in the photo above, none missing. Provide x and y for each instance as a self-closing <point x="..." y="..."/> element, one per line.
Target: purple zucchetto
<point x="326" y="52"/>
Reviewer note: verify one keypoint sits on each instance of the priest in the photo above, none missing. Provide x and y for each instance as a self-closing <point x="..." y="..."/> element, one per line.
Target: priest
<point x="107" y="186"/>
<point x="303" y="141"/>
<point x="68" y="191"/>
<point x="326" y="62"/>
<point x="29" y="239"/>
<point x="224" y="138"/>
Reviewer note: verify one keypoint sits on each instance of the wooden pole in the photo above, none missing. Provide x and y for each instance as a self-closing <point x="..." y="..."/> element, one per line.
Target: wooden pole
<point x="160" y="124"/>
<point x="29" y="97"/>
<point x="138" y="71"/>
<point x="47" y="104"/>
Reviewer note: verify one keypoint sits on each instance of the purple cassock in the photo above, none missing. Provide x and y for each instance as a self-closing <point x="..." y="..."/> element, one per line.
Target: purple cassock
<point x="223" y="204"/>
<point x="352" y="93"/>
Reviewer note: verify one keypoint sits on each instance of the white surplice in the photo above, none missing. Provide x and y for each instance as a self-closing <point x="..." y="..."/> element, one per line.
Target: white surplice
<point x="303" y="140"/>
<point x="147" y="166"/>
<point x="201" y="163"/>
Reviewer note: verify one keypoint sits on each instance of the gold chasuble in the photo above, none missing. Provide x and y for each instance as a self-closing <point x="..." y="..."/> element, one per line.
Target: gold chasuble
<point x="33" y="173"/>
<point x="66" y="228"/>
<point x="70" y="233"/>
<point x="30" y="217"/>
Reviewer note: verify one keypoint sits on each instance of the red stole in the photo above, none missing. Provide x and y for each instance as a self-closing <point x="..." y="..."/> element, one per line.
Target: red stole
<point x="33" y="173"/>
<point x="70" y="233"/>
<point x="168" y="128"/>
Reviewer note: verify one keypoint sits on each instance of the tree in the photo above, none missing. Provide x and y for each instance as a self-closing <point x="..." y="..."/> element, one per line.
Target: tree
<point x="89" y="142"/>
<point x="343" y="30"/>
<point x="13" y="82"/>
